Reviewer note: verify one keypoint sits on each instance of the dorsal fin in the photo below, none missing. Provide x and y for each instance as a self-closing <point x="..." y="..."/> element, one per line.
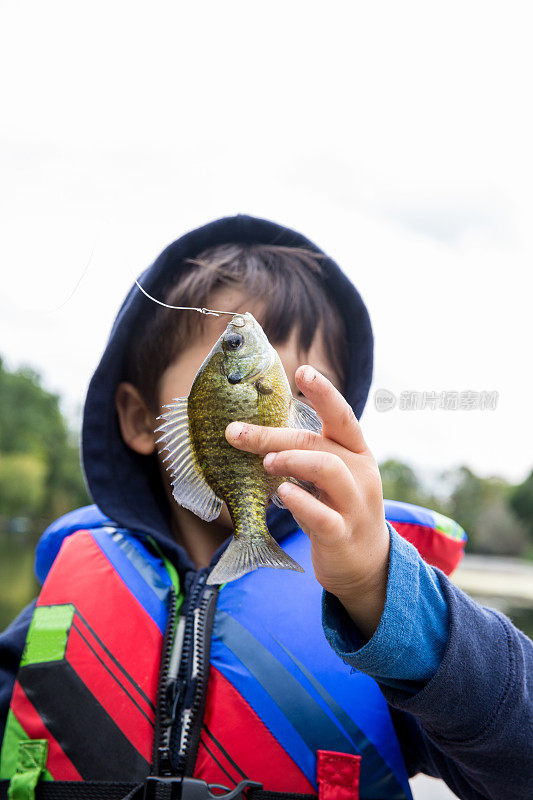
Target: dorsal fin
<point x="190" y="488"/>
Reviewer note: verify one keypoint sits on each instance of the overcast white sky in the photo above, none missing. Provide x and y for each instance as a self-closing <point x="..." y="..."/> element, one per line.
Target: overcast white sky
<point x="397" y="136"/>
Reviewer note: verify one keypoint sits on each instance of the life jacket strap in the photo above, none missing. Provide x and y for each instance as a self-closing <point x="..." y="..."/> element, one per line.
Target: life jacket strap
<point x="31" y="763"/>
<point x="337" y="775"/>
<point x="75" y="790"/>
<point x="160" y="788"/>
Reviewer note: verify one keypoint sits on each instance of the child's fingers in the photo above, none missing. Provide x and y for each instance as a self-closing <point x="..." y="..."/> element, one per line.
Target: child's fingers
<point x="314" y="517"/>
<point x="327" y="471"/>
<point x="263" y="439"/>
<point x="338" y="419"/>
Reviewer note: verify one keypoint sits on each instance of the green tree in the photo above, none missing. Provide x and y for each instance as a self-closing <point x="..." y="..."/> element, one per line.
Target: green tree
<point x="36" y="449"/>
<point x="498" y="531"/>
<point x="465" y="500"/>
<point x="400" y="482"/>
<point x="482" y="506"/>
<point x="521" y="501"/>
<point x="22" y="484"/>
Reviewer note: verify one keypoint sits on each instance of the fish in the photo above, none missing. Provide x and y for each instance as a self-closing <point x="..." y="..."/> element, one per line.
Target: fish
<point x="241" y="378"/>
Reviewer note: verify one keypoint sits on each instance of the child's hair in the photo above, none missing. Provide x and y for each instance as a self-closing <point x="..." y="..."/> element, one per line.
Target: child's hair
<point x="286" y="280"/>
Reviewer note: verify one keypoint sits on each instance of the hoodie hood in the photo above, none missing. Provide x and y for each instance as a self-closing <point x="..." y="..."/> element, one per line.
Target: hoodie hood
<point x="126" y="486"/>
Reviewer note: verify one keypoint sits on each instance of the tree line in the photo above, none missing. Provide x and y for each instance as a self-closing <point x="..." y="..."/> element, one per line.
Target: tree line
<point x="40" y="473"/>
<point x="496" y="514"/>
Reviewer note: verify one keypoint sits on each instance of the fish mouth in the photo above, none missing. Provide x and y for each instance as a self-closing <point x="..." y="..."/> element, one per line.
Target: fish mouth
<point x="238" y="321"/>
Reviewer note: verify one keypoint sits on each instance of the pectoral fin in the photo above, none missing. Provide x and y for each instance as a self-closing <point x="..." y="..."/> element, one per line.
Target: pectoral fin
<point x="263" y="386"/>
<point x="190" y="489"/>
<point x="301" y="416"/>
<point x="307" y="485"/>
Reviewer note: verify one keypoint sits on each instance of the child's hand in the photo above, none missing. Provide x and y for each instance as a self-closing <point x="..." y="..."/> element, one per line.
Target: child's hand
<point x="346" y="524"/>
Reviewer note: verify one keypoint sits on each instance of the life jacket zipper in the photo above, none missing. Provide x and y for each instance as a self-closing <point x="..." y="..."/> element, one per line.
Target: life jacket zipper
<point x="193" y="676"/>
<point x="163" y="720"/>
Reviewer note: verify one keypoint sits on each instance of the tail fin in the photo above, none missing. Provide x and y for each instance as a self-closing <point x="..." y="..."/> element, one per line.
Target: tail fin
<point x="244" y="555"/>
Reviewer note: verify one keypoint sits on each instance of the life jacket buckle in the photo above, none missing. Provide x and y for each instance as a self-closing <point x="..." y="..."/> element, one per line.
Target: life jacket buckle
<point x="172" y="788"/>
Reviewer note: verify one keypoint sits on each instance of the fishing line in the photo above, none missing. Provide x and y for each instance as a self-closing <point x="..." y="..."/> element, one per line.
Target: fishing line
<point x="184" y="308"/>
<point x="71" y="295"/>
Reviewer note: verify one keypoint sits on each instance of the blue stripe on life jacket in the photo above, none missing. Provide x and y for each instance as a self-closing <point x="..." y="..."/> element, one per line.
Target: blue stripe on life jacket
<point x="256" y="695"/>
<point x="124" y="555"/>
<point x="396" y="511"/>
<point x="85" y="518"/>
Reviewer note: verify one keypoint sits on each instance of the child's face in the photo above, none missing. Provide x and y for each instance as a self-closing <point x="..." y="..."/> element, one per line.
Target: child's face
<point x="178" y="378"/>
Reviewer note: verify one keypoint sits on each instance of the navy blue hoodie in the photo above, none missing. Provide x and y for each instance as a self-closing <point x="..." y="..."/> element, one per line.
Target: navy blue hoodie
<point x="470" y="721"/>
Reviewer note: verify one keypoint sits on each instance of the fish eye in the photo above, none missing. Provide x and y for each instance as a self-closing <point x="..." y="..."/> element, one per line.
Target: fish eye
<point x="234" y="340"/>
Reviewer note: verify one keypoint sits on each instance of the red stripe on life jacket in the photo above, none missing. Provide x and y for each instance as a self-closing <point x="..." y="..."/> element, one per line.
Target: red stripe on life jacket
<point x="435" y="547"/>
<point x="242" y="744"/>
<point x="101" y="676"/>
<point x="84" y="577"/>
<point x="215" y="762"/>
<point x="58" y="764"/>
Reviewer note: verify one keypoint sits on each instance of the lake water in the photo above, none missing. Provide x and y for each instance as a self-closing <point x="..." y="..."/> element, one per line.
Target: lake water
<point x="521" y="617"/>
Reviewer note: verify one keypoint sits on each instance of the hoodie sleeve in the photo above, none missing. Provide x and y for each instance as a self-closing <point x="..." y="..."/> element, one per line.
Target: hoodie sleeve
<point x="12" y="642"/>
<point x="461" y="705"/>
<point x="409" y="643"/>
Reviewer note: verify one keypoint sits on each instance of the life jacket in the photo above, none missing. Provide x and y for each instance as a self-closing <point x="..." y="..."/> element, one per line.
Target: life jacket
<point x="123" y="677"/>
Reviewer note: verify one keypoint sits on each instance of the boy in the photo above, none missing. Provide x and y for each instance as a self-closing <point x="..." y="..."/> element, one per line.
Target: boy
<point x="247" y="687"/>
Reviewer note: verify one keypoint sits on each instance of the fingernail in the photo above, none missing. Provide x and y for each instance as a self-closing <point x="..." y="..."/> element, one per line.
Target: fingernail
<point x="234" y="430"/>
<point x="268" y="459"/>
<point x="309" y="374"/>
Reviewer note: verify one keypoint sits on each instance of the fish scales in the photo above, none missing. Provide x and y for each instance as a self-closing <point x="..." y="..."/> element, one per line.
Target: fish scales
<point x="242" y="378"/>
